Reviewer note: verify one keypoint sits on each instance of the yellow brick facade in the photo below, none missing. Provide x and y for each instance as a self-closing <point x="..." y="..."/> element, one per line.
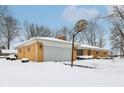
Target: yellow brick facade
<point x="102" y="53"/>
<point x="95" y="53"/>
<point x="33" y="51"/>
<point x="85" y="51"/>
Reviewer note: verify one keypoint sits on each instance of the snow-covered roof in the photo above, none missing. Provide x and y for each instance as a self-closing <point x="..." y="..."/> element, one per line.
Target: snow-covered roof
<point x="83" y="46"/>
<point x="52" y="39"/>
<point x="46" y="41"/>
<point x="9" y="51"/>
<point x="57" y="42"/>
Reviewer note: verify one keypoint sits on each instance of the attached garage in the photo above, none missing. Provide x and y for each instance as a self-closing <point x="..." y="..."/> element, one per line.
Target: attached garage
<point x="43" y="49"/>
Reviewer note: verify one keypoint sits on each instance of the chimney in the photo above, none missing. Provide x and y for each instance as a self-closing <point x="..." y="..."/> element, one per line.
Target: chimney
<point x="62" y="37"/>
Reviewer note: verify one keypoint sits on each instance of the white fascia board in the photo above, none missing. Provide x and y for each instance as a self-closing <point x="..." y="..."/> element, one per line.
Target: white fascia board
<point x="47" y="41"/>
<point x="92" y="48"/>
<point x="56" y="44"/>
<point x="86" y="48"/>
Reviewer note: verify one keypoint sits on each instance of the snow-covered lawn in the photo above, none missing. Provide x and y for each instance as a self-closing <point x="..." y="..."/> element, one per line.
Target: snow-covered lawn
<point x="107" y="72"/>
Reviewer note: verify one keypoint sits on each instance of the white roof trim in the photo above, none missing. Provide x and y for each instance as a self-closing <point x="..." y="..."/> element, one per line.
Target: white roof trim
<point x="82" y="46"/>
<point x="49" y="42"/>
<point x="45" y="40"/>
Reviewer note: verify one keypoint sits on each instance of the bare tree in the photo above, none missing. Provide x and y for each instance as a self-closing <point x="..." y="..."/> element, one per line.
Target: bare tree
<point x="94" y="35"/>
<point x="116" y="37"/>
<point x="67" y="32"/>
<point x="116" y="17"/>
<point x="9" y="30"/>
<point x="117" y="31"/>
<point x="3" y="12"/>
<point x="117" y="11"/>
<point x="35" y="30"/>
<point x="101" y="38"/>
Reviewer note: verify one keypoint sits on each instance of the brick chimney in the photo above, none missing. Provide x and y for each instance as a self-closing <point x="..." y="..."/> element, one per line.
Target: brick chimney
<point x="62" y="37"/>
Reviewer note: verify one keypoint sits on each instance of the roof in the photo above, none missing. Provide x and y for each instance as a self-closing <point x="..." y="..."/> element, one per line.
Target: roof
<point x="9" y="51"/>
<point x="45" y="40"/>
<point x="83" y="46"/>
<point x="52" y="39"/>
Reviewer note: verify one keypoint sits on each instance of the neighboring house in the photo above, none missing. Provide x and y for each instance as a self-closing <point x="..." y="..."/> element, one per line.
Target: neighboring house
<point x="43" y="49"/>
<point x="5" y="52"/>
<point x="3" y="45"/>
<point x="96" y="52"/>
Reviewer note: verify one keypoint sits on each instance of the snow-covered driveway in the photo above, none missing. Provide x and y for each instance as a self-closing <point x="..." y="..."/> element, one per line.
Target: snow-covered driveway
<point x="107" y="73"/>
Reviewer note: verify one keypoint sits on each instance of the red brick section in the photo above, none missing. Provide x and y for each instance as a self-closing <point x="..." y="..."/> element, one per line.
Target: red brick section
<point x="62" y="37"/>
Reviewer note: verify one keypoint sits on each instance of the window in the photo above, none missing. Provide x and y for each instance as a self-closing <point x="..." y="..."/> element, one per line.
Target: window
<point x="79" y="51"/>
<point x="96" y="52"/>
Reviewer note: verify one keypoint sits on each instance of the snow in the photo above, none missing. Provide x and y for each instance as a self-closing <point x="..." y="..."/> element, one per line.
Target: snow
<point x="83" y="46"/>
<point x="52" y="39"/>
<point x="58" y="40"/>
<point x="85" y="56"/>
<point x="107" y="72"/>
<point x="25" y="59"/>
<point x="9" y="51"/>
<point x="41" y="39"/>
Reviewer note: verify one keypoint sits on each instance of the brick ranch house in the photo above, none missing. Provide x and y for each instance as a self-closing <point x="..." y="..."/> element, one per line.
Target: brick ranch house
<point x="43" y="49"/>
